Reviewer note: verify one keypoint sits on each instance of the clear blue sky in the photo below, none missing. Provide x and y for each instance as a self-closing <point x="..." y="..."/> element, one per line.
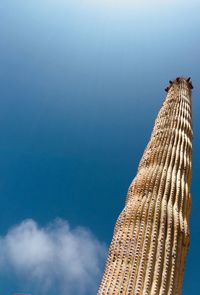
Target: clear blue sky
<point x="81" y="82"/>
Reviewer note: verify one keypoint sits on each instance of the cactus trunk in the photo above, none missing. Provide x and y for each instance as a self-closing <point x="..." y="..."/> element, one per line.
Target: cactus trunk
<point x="151" y="236"/>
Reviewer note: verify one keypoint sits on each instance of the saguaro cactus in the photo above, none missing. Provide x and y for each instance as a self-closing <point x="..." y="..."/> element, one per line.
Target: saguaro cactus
<point x="151" y="236"/>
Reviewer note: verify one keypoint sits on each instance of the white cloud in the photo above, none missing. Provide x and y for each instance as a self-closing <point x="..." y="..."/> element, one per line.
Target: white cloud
<point x="56" y="257"/>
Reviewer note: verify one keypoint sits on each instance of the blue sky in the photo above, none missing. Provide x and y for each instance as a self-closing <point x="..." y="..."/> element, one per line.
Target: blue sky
<point x="81" y="83"/>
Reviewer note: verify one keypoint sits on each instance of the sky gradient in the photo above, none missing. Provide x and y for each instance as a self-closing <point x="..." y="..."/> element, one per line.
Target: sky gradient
<point x="81" y="83"/>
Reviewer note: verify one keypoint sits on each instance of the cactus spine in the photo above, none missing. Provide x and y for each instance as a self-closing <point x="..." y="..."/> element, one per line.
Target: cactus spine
<point x="151" y="236"/>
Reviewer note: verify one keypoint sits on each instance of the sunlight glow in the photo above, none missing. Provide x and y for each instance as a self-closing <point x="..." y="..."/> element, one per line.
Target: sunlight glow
<point x="131" y="4"/>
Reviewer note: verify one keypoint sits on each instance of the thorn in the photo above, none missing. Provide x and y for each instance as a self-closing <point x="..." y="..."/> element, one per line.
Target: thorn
<point x="191" y="86"/>
<point x="170" y="82"/>
<point x="188" y="79"/>
<point x="167" y="89"/>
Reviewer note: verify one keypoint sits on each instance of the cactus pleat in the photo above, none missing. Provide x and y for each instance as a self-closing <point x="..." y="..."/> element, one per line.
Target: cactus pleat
<point x="151" y="236"/>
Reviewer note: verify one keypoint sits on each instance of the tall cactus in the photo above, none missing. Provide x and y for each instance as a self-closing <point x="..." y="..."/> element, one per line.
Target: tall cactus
<point x="151" y="236"/>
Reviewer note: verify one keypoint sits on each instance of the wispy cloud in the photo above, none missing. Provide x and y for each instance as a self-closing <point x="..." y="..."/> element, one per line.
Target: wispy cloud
<point x="53" y="258"/>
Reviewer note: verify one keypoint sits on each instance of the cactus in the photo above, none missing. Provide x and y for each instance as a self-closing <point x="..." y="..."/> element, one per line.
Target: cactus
<point x="151" y="236"/>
